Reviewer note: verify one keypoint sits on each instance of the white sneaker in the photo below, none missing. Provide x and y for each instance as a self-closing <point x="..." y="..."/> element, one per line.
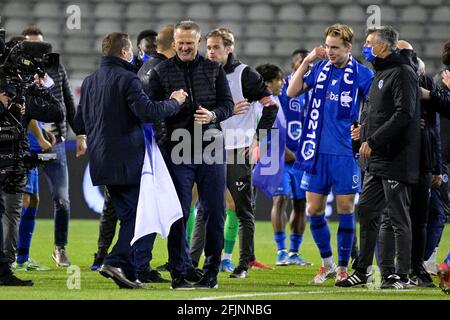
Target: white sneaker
<point x="324" y="274"/>
<point x="430" y="265"/>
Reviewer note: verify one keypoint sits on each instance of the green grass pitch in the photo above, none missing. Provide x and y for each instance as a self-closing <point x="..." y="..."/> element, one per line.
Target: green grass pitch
<point x="285" y="283"/>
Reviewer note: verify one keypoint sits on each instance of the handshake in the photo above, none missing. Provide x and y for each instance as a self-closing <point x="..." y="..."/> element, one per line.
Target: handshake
<point x="179" y="95"/>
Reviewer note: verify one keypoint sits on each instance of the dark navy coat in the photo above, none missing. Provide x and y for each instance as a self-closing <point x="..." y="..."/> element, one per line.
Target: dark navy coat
<point x="111" y="112"/>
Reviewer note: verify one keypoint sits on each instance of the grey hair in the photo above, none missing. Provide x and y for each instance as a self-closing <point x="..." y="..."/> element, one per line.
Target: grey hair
<point x="386" y="34"/>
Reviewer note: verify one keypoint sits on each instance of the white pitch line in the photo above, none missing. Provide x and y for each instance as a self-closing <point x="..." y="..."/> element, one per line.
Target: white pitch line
<point x="250" y="295"/>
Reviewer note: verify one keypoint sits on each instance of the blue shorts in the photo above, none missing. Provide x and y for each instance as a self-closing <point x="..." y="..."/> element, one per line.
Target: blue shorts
<point x="340" y="172"/>
<point x="32" y="181"/>
<point x="290" y="185"/>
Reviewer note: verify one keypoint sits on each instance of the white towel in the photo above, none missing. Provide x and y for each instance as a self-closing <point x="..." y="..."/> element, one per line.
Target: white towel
<point x="158" y="204"/>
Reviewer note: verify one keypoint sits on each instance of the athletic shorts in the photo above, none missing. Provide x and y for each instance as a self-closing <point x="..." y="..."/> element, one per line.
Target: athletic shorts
<point x="341" y="173"/>
<point x="290" y="185"/>
<point x="32" y="181"/>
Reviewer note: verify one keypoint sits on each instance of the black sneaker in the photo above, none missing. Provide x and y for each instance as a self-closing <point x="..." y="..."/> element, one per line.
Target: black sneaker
<point x="394" y="282"/>
<point x="12" y="281"/>
<point x="239" y="273"/>
<point x="194" y="275"/>
<point x="356" y="279"/>
<point x="163" y="267"/>
<point x="151" y="276"/>
<point x="207" y="282"/>
<point x="422" y="280"/>
<point x="181" y="284"/>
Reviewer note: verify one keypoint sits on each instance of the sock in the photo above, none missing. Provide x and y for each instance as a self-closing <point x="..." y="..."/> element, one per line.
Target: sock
<point x="327" y="262"/>
<point x="345" y="236"/>
<point x="227" y="256"/>
<point x="322" y="238"/>
<point x="190" y="224"/>
<point x="296" y="241"/>
<point x="230" y="231"/>
<point x="26" y="228"/>
<point x="369" y="269"/>
<point x="280" y="239"/>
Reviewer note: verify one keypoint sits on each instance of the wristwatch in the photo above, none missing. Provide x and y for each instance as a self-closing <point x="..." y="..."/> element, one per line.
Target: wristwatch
<point x="214" y="117"/>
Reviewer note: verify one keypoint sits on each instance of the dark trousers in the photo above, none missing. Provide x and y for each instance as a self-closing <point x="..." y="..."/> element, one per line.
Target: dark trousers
<point x="210" y="180"/>
<point x="438" y="212"/>
<point x="198" y="237"/>
<point x="125" y="200"/>
<point x="4" y="267"/>
<point x="142" y="253"/>
<point x="420" y="199"/>
<point x="394" y="196"/>
<point x="239" y="183"/>
<point x="108" y="222"/>
<point x="10" y="223"/>
<point x="420" y="196"/>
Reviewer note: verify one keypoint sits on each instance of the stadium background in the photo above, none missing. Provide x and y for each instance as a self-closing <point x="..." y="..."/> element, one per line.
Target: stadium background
<point x="266" y="31"/>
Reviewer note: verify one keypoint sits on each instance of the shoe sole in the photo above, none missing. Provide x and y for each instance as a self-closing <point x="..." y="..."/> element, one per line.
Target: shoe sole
<point x="329" y="276"/>
<point x="301" y="264"/>
<point x="207" y="288"/>
<point x="183" y="289"/>
<point x="361" y="285"/>
<point x="238" y="277"/>
<point x="121" y="284"/>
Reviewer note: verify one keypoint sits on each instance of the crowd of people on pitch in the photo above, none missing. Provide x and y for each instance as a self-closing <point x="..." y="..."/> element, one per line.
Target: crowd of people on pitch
<point x="335" y="123"/>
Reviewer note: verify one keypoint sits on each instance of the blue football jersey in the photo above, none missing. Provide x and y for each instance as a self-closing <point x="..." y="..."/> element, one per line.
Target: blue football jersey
<point x="335" y="136"/>
<point x="294" y="112"/>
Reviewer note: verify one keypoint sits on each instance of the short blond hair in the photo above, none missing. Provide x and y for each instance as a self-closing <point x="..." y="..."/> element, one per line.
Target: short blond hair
<point x="341" y="31"/>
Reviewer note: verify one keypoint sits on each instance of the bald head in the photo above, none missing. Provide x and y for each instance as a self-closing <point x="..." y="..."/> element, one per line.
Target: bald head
<point x="164" y="39"/>
<point x="402" y="44"/>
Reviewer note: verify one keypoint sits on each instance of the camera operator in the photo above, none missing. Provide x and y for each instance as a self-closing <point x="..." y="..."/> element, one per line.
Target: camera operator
<point x="39" y="105"/>
<point x="56" y="172"/>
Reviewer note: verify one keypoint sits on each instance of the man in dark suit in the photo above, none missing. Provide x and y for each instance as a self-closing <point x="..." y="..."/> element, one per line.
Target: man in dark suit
<point x="112" y="108"/>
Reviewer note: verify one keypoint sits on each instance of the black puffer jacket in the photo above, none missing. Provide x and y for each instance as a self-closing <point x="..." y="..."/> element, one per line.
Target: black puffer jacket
<point x="206" y="84"/>
<point x="144" y="74"/>
<point x="144" y="71"/>
<point x="393" y="120"/>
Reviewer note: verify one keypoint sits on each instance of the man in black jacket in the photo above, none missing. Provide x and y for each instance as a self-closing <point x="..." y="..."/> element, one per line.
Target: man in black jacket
<point x="247" y="87"/>
<point x="209" y="102"/>
<point x="430" y="168"/>
<point x="392" y="149"/>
